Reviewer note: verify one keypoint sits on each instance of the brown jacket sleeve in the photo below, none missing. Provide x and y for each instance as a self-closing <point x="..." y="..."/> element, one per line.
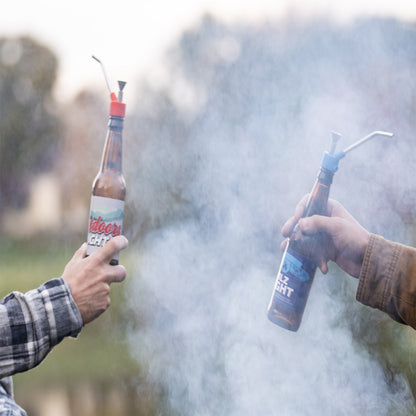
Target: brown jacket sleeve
<point x="388" y="279"/>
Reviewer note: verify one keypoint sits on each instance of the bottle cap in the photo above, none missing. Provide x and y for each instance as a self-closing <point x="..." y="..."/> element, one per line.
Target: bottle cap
<point x="117" y="108"/>
<point x="330" y="161"/>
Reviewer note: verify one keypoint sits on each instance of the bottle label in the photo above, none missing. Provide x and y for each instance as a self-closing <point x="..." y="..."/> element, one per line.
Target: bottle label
<point x="294" y="281"/>
<point x="106" y="221"/>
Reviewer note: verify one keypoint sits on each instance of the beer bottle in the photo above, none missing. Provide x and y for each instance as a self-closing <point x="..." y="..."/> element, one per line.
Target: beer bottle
<point x="109" y="187"/>
<point x="297" y="269"/>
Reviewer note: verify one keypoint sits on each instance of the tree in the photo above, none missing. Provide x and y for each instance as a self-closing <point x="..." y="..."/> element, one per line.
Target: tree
<point x="29" y="124"/>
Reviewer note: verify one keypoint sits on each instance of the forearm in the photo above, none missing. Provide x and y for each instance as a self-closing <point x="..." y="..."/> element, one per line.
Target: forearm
<point x="32" y="324"/>
<point x="388" y="279"/>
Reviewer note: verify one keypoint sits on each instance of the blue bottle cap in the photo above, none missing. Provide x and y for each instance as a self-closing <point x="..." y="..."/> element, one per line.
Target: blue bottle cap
<point x="330" y="161"/>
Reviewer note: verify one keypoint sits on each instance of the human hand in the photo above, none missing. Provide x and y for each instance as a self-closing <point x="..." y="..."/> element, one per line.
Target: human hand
<point x="344" y="239"/>
<point x="89" y="278"/>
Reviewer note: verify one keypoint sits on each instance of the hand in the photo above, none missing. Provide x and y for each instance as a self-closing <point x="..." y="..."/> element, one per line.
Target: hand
<point x="344" y="239"/>
<point x="89" y="278"/>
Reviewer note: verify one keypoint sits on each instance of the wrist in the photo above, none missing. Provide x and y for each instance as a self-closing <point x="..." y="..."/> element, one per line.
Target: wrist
<point x="362" y="244"/>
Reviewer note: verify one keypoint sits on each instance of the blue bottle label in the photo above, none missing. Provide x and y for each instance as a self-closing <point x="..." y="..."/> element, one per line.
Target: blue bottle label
<point x="294" y="281"/>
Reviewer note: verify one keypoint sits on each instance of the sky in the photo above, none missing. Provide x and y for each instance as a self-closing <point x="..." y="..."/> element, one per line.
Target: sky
<point x="130" y="37"/>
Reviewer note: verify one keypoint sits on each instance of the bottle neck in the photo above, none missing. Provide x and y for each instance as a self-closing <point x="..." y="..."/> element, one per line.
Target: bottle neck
<point x="325" y="177"/>
<point x="318" y="199"/>
<point x="113" y="149"/>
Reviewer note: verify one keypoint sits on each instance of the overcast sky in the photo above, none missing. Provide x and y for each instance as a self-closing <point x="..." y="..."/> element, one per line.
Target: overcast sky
<point x="129" y="36"/>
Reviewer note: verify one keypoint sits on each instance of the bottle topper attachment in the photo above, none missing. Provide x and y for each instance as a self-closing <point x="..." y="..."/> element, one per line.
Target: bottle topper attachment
<point x="331" y="159"/>
<point x="117" y="107"/>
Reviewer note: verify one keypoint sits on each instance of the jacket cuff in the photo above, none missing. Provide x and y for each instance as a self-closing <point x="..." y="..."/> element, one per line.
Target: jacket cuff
<point x="64" y="317"/>
<point x="75" y="315"/>
<point x="377" y="284"/>
<point x="379" y="262"/>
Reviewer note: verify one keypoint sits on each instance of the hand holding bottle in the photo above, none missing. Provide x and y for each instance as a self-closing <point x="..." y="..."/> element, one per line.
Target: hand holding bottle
<point x="89" y="278"/>
<point x="344" y="239"/>
<point x="319" y="231"/>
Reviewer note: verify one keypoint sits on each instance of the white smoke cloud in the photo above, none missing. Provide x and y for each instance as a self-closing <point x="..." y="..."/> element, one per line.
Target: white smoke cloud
<point x="209" y="343"/>
<point x="202" y="281"/>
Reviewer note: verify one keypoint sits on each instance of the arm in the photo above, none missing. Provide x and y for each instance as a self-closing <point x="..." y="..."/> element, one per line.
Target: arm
<point x="388" y="279"/>
<point x="386" y="270"/>
<point x="32" y="324"/>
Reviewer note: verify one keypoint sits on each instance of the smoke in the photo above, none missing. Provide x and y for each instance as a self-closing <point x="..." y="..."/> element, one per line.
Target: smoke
<point x="209" y="191"/>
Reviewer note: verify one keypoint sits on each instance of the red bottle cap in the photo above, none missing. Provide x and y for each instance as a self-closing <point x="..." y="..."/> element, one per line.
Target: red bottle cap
<point x="117" y="108"/>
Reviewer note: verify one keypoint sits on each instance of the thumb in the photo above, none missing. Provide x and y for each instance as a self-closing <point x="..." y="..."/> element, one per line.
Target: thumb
<point x="78" y="256"/>
<point x="113" y="246"/>
<point x="80" y="253"/>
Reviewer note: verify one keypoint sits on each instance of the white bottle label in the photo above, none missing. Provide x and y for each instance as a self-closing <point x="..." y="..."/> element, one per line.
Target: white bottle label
<point x="106" y="222"/>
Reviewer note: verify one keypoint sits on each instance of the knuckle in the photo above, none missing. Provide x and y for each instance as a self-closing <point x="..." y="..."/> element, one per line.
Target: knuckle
<point x="106" y="289"/>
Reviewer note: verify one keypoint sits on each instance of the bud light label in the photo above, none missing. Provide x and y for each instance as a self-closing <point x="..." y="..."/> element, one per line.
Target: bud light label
<point x="294" y="281"/>
<point x="106" y="221"/>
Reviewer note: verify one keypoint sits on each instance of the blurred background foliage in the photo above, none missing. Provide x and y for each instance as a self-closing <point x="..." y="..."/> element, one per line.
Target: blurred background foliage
<point x="266" y="82"/>
<point x="30" y="126"/>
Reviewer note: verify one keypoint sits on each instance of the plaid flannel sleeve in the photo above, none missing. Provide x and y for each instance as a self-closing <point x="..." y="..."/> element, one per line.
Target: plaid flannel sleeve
<point x="31" y="324"/>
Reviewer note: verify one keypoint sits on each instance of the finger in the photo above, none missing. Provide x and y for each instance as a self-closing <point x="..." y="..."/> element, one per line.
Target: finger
<point x="291" y="222"/>
<point x="111" y="248"/>
<point x="332" y="206"/>
<point x="300" y="207"/>
<point x="80" y="253"/>
<point x="118" y="274"/>
<point x="323" y="266"/>
<point x="288" y="226"/>
<point x="318" y="223"/>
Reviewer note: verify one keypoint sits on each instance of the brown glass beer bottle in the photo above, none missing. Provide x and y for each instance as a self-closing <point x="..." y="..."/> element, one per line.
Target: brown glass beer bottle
<point x="297" y="269"/>
<point x="109" y="187"/>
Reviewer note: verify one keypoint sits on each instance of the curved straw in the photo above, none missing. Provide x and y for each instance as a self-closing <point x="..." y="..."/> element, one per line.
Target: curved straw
<point x="104" y="72"/>
<point x="364" y="139"/>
